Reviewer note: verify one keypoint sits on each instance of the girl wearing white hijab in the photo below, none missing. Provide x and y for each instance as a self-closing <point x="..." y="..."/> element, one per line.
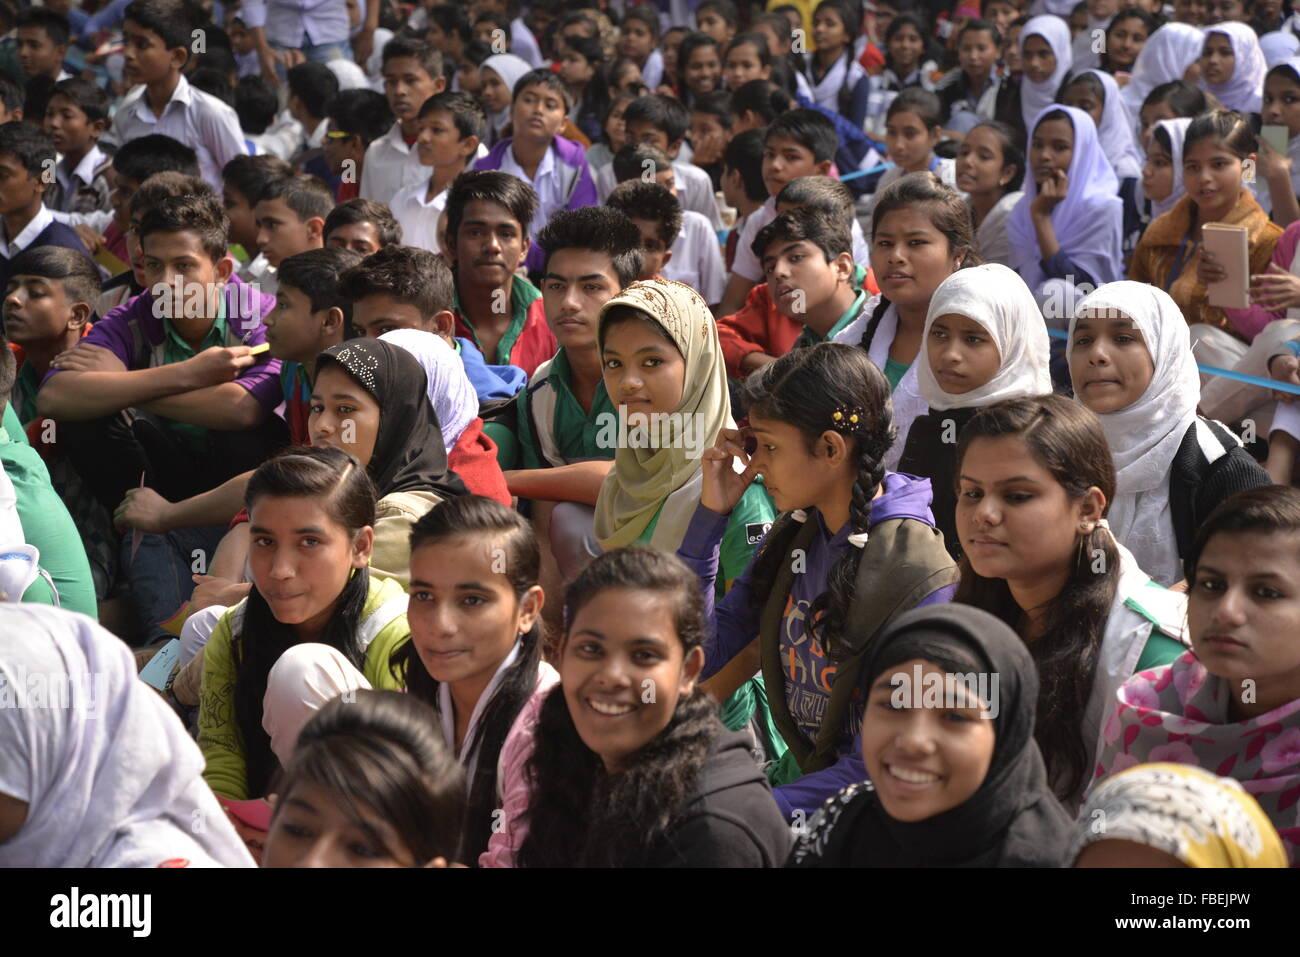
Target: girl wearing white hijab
<point x="1278" y="46"/>
<point x="508" y="68"/>
<point x="1115" y="127"/>
<point x="1131" y="362"/>
<point x="1239" y="85"/>
<point x="984" y="341"/>
<point x="1035" y="95"/>
<point x="108" y="779"/>
<point x="1068" y="240"/>
<point x="453" y="398"/>
<point x="1169" y="53"/>
<point x="1162" y="174"/>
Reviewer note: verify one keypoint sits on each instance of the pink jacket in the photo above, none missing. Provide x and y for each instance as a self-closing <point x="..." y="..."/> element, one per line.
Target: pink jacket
<point x="512" y="781"/>
<point x="1251" y="321"/>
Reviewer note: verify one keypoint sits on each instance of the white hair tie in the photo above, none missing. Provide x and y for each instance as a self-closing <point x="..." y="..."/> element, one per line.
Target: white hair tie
<point x="858" y="539"/>
<point x="799" y="515"/>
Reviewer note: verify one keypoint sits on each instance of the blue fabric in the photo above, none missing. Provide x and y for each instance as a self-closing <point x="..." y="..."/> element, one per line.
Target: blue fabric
<point x="490" y="382"/>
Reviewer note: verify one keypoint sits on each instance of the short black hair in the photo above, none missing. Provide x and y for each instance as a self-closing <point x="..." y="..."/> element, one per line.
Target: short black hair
<point x="77" y="271"/>
<point x="651" y="202"/>
<point x="141" y="158"/>
<point x="429" y="58"/>
<point x="167" y="185"/>
<point x="820" y="192"/>
<point x="544" y="77"/>
<point x="171" y="20"/>
<point x="220" y="59"/>
<point x="489" y="186"/>
<point x="476" y="51"/>
<point x="31" y="145"/>
<point x="306" y="195"/>
<point x="744" y="154"/>
<point x="979" y="25"/>
<point x="465" y="112"/>
<point x="636" y="158"/>
<point x="599" y="229"/>
<point x="214" y="83"/>
<point x="827" y="231"/>
<point x="809" y="128"/>
<point x="255" y="104"/>
<point x="363" y="113"/>
<point x="316" y="274"/>
<point x="315" y="84"/>
<point x="365" y="211"/>
<point x="647" y="16"/>
<point x="450" y="19"/>
<point x="250" y="175"/>
<point x="414" y="277"/>
<point x="717" y="103"/>
<point x="665" y="113"/>
<point x="53" y="23"/>
<point x="11" y="94"/>
<point x="201" y="215"/>
<point x="723" y="8"/>
<point x="920" y="101"/>
<point x="85" y="96"/>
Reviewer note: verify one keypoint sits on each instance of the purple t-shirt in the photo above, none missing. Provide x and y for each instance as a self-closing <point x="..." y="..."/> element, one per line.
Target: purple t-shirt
<point x="245" y="308"/>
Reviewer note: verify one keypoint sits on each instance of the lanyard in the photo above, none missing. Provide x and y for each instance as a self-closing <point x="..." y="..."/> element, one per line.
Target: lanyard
<point x="1180" y="260"/>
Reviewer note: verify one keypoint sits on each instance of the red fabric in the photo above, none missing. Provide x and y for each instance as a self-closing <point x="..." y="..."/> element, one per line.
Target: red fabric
<point x="536" y="342"/>
<point x="872" y="59"/>
<point x="474" y="459"/>
<point x="115" y="242"/>
<point x="348" y="191"/>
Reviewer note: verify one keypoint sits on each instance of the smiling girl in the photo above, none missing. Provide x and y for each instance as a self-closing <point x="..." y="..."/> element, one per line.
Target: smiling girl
<point x="1279" y="174"/>
<point x="956" y="784"/>
<point x="838" y="81"/>
<point x="1126" y="36"/>
<point x="983" y="344"/>
<point x="989" y="170"/>
<point x="1233" y="67"/>
<point x="1232" y="704"/>
<point x="1035" y="480"/>
<point x="315" y="624"/>
<point x="699" y="69"/>
<point x="631" y="766"/>
<point x="1171" y="53"/>
<point x="907" y="64"/>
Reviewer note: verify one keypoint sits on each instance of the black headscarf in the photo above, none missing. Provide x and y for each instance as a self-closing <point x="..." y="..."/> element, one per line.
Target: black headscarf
<point x="410" y="454"/>
<point x="1013" y="819"/>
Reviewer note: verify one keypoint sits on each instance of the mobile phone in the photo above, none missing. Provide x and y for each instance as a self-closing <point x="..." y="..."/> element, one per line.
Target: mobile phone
<point x="1276" y="137"/>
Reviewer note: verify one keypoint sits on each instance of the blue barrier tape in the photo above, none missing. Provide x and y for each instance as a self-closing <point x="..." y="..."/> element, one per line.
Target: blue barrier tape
<point x="866" y="172"/>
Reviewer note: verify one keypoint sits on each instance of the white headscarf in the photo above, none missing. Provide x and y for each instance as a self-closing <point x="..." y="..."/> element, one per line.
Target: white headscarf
<point x="1088" y="221"/>
<point x="1278" y="46"/>
<point x="1293" y="145"/>
<point x="510" y="68"/>
<point x="1035" y="96"/>
<point x="1177" y="130"/>
<point x="1116" y="130"/>
<point x="110" y="777"/>
<point x="1144" y="437"/>
<point x="998" y="299"/>
<point x="454" y="400"/>
<point x="1244" y="90"/>
<point x="1166" y="56"/>
<point x="302" y="681"/>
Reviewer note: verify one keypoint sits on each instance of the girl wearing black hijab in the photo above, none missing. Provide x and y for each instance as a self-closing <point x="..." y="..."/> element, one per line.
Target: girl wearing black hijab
<point x="948" y="741"/>
<point x="371" y="399"/>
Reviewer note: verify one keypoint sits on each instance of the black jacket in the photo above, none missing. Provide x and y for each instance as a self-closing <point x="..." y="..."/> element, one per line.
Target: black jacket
<point x="931" y="452"/>
<point x="1207" y="469"/>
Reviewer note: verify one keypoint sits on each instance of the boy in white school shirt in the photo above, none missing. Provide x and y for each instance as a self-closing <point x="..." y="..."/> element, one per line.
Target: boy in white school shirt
<point x="42" y="43"/>
<point x="75" y="117"/>
<point x="412" y="74"/>
<point x="450" y="127"/>
<point x="158" y="34"/>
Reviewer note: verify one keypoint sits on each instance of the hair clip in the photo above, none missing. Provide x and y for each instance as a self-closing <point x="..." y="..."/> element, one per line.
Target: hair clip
<point x="799" y="515"/>
<point x="847" y="420"/>
<point x="858" y="539"/>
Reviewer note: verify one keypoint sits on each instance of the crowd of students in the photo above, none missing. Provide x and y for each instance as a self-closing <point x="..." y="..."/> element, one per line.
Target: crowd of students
<point x="598" y="434"/>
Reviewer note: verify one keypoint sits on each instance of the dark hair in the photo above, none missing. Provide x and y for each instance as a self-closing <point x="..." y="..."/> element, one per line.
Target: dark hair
<point x="214" y="83"/>
<point x="922" y="102"/>
<point x="647" y="16"/>
<point x="466" y="113"/>
<point x="1286" y="71"/>
<point x="29" y="144"/>
<point x="476" y="51"/>
<point x="348" y="496"/>
<point x="489" y="186"/>
<point x="53" y="23"/>
<point x="1232" y="128"/>
<point x="665" y="113"/>
<point x="828" y="231"/>
<point x="723" y="8"/>
<point x="450" y="18"/>
<point x="316" y="274"/>
<point x="804" y="388"/>
<point x="171" y="20"/>
<point x="744" y="154"/>
<point x="362" y="113"/>
<point x="415" y="277"/>
<point x="547" y="79"/>
<point x="763" y="98"/>
<point x="315" y="84"/>
<point x="163" y="186"/>
<point x="85" y="96"/>
<point x="979" y="25"/>
<point x="217" y="60"/>
<point x="617" y="74"/>
<point x="8" y="371"/>
<point x="755" y="40"/>
<point x="365" y="211"/>
<point x="1160" y="136"/>
<point x="779" y="23"/>
<point x="917" y="22"/>
<point x="382" y="750"/>
<point x="482" y="520"/>
<point x="1183" y="98"/>
<point x="306" y="195"/>
<point x="138" y="159"/>
<point x="851" y="18"/>
<point x="635" y="158"/>
<point x="1065" y="438"/>
<point x="649" y="201"/>
<point x="255" y="104"/>
<point x="427" y="56"/>
<point x="1269" y="509"/>
<point x="579" y="814"/>
<point x="201" y="215"/>
<point x="589" y="48"/>
<point x="250" y="175"/>
<point x="598" y="229"/>
<point x="809" y="128"/>
<point x="1012" y="152"/>
<point x="830" y="196"/>
<point x="1089" y="81"/>
<point x="1129" y="13"/>
<point x="690" y="43"/>
<point x="77" y="272"/>
<point x="717" y="103"/>
<point x="11" y="94"/>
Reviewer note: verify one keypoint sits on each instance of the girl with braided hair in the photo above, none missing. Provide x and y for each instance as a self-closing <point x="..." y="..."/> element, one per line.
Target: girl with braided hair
<point x="855" y="545"/>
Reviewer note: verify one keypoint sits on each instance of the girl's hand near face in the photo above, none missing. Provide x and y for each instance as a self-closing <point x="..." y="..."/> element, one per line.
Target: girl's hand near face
<point x="1285" y="368"/>
<point x="723" y="485"/>
<point x="1276" y="289"/>
<point x="1050" y="194"/>
<point x="1208" y="269"/>
<point x="1274" y="167"/>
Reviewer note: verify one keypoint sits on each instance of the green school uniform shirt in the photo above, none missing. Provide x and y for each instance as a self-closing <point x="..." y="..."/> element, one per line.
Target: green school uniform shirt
<point x="809" y="337"/>
<point x="176" y="349"/>
<point x="894" y="372"/>
<point x="574" y="431"/>
<point x="14" y="426"/>
<point x="522" y="296"/>
<point x="746" y="526"/>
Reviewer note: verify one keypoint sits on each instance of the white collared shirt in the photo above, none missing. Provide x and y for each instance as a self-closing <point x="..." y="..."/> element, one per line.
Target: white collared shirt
<point x="71" y="180"/>
<point x="694" y="189"/>
<point x="547" y="183"/>
<point x="24" y="239"/>
<point x="286" y="22"/>
<point x="419" y="219"/>
<point x="746" y="264"/>
<point x="197" y="119"/>
<point x="697" y="258"/>
<point x="390" y="167"/>
<point x="447" y="712"/>
<point x="317" y="138"/>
